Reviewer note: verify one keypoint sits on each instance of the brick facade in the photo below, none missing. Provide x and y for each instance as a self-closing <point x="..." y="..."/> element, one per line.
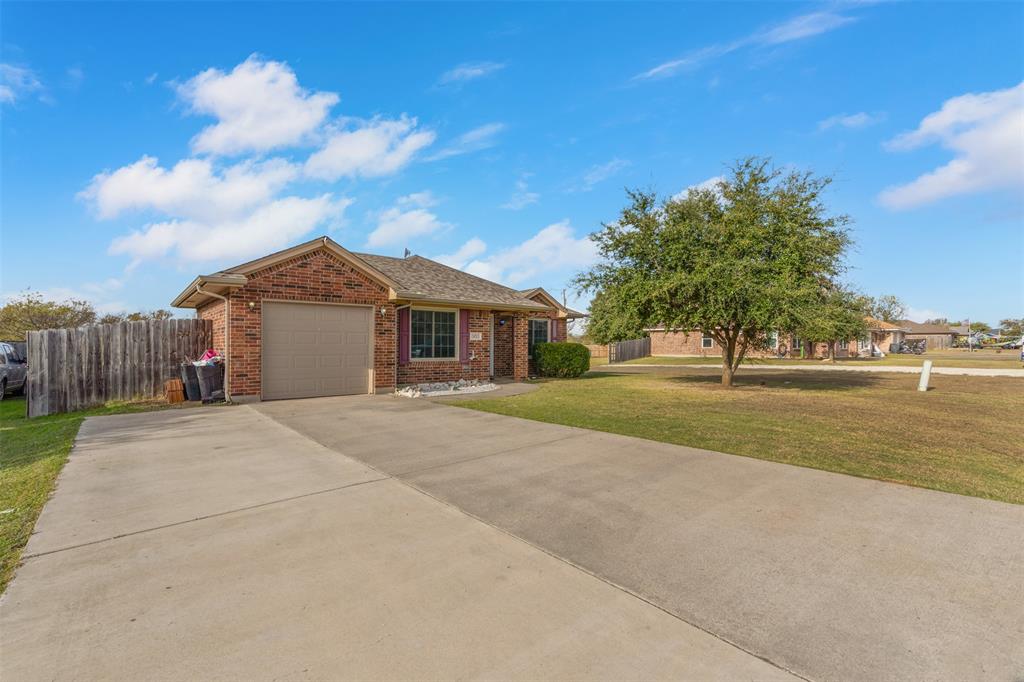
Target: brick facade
<point x="689" y="344"/>
<point x="313" y="277"/>
<point x="504" y="325"/>
<point x="478" y="366"/>
<point x="320" y="277"/>
<point x="215" y="313"/>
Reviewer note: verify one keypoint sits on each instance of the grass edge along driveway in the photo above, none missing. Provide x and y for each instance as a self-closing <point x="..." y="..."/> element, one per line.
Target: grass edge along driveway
<point x="32" y="454"/>
<point x="959" y="437"/>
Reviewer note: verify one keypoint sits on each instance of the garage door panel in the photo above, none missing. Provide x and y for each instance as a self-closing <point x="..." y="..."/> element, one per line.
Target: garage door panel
<point x="315" y="350"/>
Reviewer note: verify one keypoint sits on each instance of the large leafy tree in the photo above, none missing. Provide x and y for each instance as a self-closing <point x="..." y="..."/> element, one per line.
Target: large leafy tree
<point x="613" y="317"/>
<point x="161" y="314"/>
<point x="740" y="260"/>
<point x="839" y="314"/>
<point x="29" y="311"/>
<point x="1012" y="327"/>
<point x="888" y="308"/>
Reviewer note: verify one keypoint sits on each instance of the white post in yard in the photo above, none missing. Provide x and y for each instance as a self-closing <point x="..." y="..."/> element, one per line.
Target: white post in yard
<point x="926" y="372"/>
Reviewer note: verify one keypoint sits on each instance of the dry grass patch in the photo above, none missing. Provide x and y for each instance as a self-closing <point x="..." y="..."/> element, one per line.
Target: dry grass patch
<point x="963" y="436"/>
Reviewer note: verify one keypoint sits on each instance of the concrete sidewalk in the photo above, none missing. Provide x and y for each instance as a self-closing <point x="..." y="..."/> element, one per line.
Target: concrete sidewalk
<point x="828" y="367"/>
<point x="218" y="544"/>
<point x="830" y="576"/>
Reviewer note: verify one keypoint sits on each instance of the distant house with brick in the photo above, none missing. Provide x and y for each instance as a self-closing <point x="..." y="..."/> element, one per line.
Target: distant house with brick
<point x="695" y="343"/>
<point x="317" y="319"/>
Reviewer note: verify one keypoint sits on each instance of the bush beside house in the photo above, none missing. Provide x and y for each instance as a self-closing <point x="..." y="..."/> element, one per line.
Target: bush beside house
<point x="561" y="359"/>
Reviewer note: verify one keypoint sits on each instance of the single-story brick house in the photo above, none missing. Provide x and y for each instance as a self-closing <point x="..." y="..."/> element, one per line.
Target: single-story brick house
<point x="317" y="319"/>
<point x="694" y="343"/>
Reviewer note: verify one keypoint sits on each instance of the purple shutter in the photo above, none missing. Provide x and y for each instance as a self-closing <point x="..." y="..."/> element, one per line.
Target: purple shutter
<point x="463" y="336"/>
<point x="403" y="336"/>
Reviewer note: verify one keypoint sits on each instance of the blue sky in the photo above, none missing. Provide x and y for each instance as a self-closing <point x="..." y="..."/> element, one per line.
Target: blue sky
<point x="145" y="143"/>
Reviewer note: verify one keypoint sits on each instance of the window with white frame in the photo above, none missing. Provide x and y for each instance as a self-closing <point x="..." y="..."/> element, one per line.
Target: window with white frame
<point x="706" y="341"/>
<point x="773" y="340"/>
<point x="841" y="345"/>
<point x="540" y="332"/>
<point x="433" y="334"/>
<point x="798" y="343"/>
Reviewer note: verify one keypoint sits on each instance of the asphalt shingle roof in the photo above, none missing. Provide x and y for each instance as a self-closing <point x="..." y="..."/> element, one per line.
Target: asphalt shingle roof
<point x="421" y="277"/>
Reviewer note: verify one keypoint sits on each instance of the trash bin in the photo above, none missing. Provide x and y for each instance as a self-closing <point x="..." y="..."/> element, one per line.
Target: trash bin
<point x="211" y="382"/>
<point x="191" y="381"/>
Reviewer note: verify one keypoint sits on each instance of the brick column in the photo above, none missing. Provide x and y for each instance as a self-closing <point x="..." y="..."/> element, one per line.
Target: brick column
<point x="520" y="347"/>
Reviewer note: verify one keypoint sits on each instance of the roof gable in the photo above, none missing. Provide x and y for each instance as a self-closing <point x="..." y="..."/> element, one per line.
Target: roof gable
<point x="326" y="243"/>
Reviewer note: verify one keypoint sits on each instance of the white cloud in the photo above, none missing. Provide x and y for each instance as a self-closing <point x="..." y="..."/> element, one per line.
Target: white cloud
<point x="711" y="183"/>
<point x="797" y="28"/>
<point x="270" y="227"/>
<point x="378" y="147"/>
<point x="16" y="82"/>
<point x="424" y="199"/>
<point x="193" y="188"/>
<point x="859" y="120"/>
<point x="481" y="137"/>
<point x="522" y="198"/>
<point x="259" y="106"/>
<point x="922" y="314"/>
<point x="800" y="27"/>
<point x="599" y="173"/>
<point x="469" y="71"/>
<point x="471" y="249"/>
<point x="555" y="248"/>
<point x="984" y="131"/>
<point x="407" y="219"/>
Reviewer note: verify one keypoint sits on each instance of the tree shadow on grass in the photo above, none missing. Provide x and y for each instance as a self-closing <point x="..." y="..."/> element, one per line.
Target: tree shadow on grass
<point x="806" y="381"/>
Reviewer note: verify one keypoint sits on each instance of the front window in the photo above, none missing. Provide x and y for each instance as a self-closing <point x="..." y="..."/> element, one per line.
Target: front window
<point x="706" y="341"/>
<point x="841" y="345"/>
<point x="433" y="334"/>
<point x="538" y="333"/>
<point x="797" y="343"/>
<point x="773" y="339"/>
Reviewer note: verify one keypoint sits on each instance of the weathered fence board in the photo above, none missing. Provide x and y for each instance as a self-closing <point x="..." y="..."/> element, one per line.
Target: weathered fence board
<point x="72" y="369"/>
<point x="629" y="350"/>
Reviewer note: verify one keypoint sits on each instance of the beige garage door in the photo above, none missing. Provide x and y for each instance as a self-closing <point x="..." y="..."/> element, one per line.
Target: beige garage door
<point x="314" y="350"/>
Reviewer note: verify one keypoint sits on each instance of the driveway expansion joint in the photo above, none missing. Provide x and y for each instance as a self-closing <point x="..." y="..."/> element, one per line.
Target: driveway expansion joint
<point x="577" y="432"/>
<point x="204" y="517"/>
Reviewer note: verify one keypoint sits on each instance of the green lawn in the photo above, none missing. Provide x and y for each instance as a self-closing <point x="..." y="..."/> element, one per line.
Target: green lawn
<point x="964" y="436"/>
<point x="987" y="359"/>
<point x="32" y="453"/>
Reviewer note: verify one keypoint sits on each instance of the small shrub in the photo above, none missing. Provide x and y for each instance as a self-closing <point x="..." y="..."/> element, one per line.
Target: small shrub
<point x="561" y="359"/>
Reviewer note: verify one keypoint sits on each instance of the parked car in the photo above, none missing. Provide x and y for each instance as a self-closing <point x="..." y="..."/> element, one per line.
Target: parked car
<point x="13" y="371"/>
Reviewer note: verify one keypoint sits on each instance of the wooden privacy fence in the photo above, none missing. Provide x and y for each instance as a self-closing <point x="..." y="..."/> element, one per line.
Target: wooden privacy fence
<point x="72" y="369"/>
<point x="629" y="350"/>
<point x="597" y="350"/>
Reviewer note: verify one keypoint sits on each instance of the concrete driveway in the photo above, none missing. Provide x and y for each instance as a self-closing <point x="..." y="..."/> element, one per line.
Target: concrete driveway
<point x="220" y="544"/>
<point x="828" y="576"/>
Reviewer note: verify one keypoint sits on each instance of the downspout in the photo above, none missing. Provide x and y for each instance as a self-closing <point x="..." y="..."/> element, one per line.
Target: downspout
<point x="398" y="340"/>
<point x="227" y="339"/>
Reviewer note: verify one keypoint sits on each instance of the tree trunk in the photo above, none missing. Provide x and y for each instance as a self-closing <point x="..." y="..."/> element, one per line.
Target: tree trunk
<point x="728" y="366"/>
<point x="832" y="351"/>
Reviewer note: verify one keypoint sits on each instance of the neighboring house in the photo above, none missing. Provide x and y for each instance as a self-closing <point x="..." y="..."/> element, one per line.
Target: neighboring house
<point x="694" y="343"/>
<point x="883" y="334"/>
<point x="937" y="336"/>
<point x="317" y="320"/>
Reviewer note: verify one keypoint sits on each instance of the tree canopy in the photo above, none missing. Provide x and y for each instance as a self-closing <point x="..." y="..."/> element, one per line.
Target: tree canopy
<point x="752" y="255"/>
<point x="887" y="308"/>
<point x="30" y="311"/>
